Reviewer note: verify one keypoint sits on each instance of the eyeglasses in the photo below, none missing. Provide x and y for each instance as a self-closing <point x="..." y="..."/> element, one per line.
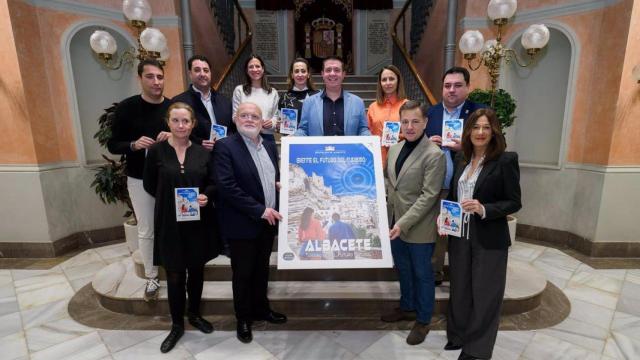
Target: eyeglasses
<point x="248" y="116"/>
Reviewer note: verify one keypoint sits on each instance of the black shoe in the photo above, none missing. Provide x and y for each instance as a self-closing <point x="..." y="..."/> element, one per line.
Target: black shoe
<point x="172" y="339"/>
<point x="464" y="356"/>
<point x="451" y="346"/>
<point x="201" y="324"/>
<point x="243" y="331"/>
<point x="274" y="317"/>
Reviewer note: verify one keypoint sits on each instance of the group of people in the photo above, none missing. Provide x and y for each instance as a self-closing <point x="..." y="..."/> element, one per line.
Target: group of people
<point x="168" y="145"/>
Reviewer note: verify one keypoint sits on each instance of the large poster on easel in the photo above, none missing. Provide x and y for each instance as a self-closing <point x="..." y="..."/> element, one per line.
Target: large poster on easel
<point x="333" y="204"/>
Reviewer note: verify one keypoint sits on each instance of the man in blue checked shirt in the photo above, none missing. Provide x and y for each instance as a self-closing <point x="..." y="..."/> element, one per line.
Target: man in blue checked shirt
<point x="454" y="105"/>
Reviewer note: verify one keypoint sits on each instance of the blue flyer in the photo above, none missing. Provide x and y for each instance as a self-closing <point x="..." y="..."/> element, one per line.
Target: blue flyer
<point x="218" y="132"/>
<point x="450" y="218"/>
<point x="288" y="121"/>
<point x="187" y="208"/>
<point x="451" y="129"/>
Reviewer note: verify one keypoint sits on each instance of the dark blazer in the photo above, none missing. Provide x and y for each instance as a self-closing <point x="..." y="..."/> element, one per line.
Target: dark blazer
<point x="240" y="198"/>
<point x="221" y="108"/>
<point x="498" y="190"/>
<point x="434" y="113"/>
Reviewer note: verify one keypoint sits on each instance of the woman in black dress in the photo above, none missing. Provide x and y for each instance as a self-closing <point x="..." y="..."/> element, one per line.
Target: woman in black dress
<point x="300" y="86"/>
<point x="486" y="183"/>
<point x="181" y="247"/>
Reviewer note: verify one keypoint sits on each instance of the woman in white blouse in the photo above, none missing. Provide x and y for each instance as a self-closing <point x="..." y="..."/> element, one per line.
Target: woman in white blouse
<point x="257" y="90"/>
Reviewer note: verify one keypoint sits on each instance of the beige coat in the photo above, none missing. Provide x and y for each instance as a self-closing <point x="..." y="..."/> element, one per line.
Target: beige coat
<point x="413" y="197"/>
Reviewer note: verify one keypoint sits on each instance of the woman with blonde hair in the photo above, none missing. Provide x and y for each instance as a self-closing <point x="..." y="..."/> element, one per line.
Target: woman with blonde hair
<point x="182" y="248"/>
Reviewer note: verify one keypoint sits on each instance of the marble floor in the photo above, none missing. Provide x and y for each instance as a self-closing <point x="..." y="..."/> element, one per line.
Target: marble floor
<point x="604" y="322"/>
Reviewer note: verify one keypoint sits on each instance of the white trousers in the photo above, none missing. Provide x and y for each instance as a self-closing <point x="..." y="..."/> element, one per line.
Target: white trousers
<point x="143" y="205"/>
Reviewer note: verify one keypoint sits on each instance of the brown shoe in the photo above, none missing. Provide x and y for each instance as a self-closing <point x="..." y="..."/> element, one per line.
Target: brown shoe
<point x="398" y="315"/>
<point x="418" y="332"/>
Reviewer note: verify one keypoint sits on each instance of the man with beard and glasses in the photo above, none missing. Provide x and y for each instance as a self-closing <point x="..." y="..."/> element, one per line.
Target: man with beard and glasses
<point x="246" y="176"/>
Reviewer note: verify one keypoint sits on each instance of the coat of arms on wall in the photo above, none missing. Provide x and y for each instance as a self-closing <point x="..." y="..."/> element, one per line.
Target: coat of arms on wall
<point x="324" y="36"/>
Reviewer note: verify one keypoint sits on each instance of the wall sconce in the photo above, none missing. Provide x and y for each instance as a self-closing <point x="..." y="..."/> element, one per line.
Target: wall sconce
<point x="151" y="42"/>
<point x="493" y="51"/>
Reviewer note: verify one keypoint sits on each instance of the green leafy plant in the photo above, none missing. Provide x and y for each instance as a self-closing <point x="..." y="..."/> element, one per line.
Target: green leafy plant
<point x="110" y="181"/>
<point x="504" y="104"/>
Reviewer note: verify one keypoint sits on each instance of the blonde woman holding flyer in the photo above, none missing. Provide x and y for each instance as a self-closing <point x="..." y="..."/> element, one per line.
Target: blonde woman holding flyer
<point x="178" y="176"/>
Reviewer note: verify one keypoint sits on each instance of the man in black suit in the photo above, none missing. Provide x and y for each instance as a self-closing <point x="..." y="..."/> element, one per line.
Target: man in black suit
<point x="246" y="173"/>
<point x="210" y="106"/>
<point x="454" y="105"/>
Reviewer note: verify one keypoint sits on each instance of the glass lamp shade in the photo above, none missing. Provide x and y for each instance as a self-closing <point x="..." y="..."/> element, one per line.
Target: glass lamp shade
<point x="153" y="40"/>
<point x="103" y="43"/>
<point x="535" y="37"/>
<point x="137" y="10"/>
<point x="501" y="9"/>
<point x="471" y="42"/>
<point x="164" y="54"/>
<point x="489" y="45"/>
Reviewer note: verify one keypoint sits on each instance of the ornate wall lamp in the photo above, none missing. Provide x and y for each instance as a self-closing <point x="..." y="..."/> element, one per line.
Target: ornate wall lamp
<point x="151" y="42"/>
<point x="493" y="51"/>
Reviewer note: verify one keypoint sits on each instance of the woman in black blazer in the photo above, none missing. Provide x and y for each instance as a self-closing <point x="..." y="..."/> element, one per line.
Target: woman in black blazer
<point x="486" y="182"/>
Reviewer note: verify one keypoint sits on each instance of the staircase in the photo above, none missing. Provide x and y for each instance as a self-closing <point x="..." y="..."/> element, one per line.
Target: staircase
<point x="327" y="298"/>
<point x="327" y="294"/>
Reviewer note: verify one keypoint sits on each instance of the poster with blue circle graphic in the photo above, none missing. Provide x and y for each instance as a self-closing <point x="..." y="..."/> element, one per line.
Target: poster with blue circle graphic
<point x="333" y="204"/>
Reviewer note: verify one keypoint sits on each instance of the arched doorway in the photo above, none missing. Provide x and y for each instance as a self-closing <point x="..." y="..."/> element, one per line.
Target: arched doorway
<point x="542" y="116"/>
<point x="93" y="88"/>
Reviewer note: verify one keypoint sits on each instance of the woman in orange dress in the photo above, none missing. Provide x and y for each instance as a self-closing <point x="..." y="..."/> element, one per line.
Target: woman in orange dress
<point x="390" y="95"/>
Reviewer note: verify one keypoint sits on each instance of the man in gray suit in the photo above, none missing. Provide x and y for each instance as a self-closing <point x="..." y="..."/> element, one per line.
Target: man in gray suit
<point x="414" y="174"/>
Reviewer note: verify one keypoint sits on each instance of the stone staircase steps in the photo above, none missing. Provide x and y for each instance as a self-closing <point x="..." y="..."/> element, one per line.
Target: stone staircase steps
<point x="219" y="269"/>
<point x="119" y="288"/>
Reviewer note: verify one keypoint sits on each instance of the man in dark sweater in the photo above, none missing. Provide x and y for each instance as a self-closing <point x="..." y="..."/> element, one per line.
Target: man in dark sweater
<point x="139" y="122"/>
<point x="210" y="106"/>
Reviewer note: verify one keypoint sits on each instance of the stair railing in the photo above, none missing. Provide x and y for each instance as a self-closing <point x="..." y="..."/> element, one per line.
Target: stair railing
<point x="414" y="85"/>
<point x="234" y="72"/>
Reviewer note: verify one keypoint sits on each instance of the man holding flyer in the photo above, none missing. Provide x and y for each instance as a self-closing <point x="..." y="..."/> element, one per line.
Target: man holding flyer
<point x="415" y="169"/>
<point x="211" y="107"/>
<point x="453" y="109"/>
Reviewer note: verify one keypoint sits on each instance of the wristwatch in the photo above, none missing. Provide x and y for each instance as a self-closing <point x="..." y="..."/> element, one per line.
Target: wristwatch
<point x="132" y="146"/>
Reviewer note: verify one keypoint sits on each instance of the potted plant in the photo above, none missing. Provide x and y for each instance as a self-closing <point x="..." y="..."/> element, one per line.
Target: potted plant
<point x="503" y="103"/>
<point x="505" y="106"/>
<point x="110" y="182"/>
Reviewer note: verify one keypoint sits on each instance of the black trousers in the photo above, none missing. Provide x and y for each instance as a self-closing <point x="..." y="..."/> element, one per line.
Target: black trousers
<point x="250" y="266"/>
<point x="478" y="278"/>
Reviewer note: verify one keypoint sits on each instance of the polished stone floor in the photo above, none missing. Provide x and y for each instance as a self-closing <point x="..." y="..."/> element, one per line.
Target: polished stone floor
<point x="604" y="322"/>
